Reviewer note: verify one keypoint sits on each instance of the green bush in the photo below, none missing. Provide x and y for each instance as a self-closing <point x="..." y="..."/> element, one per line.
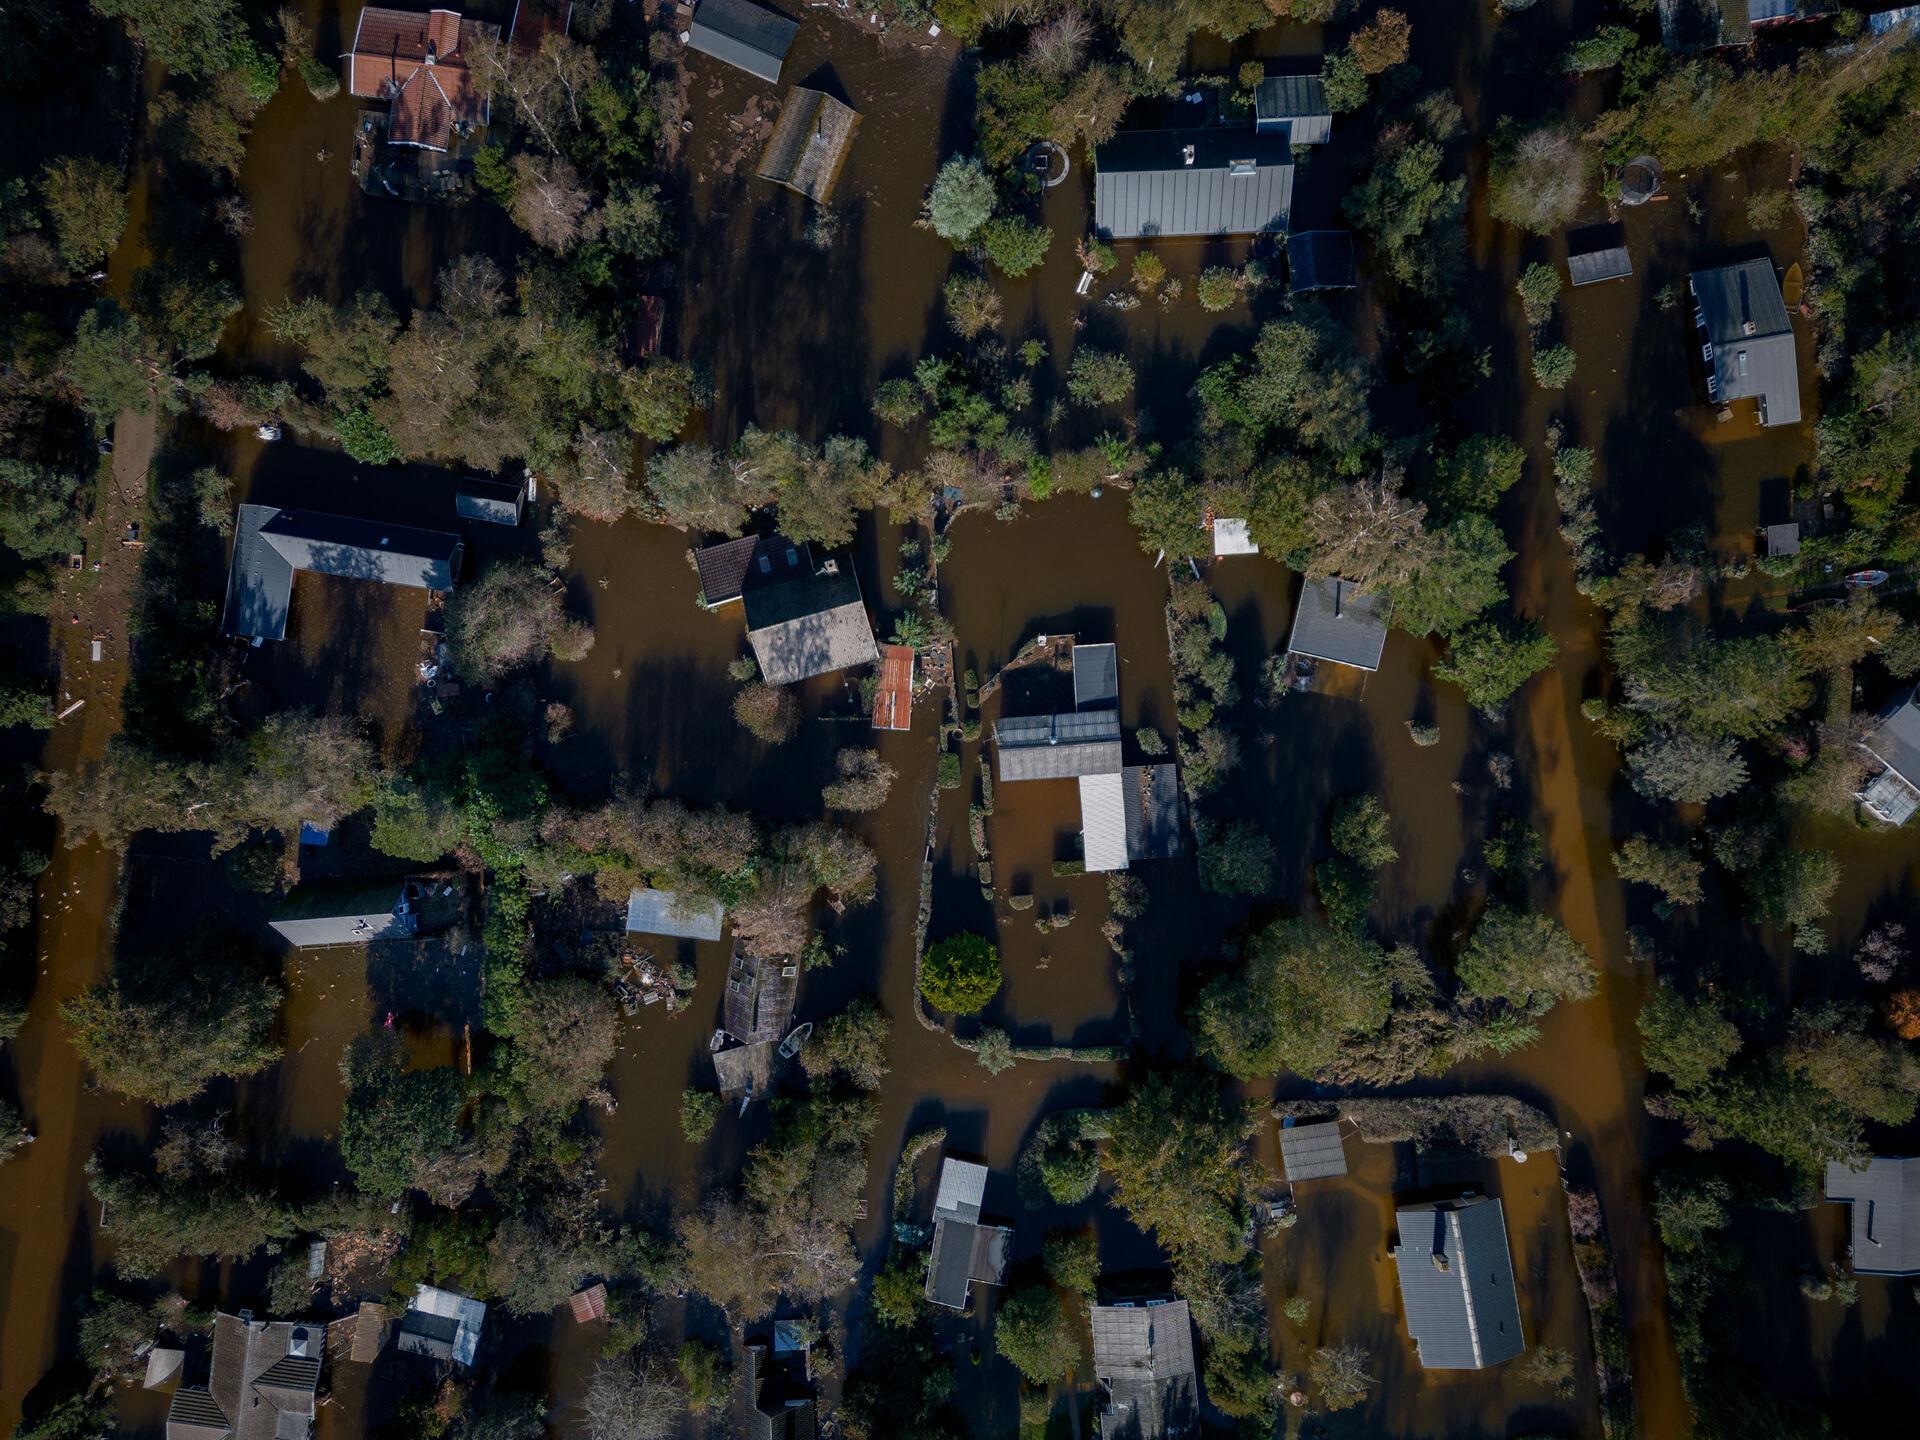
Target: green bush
<point x="1216" y="288"/>
<point x="365" y="438"/>
<point x="698" y="1111"/>
<point x="949" y="770"/>
<point x="1553" y="366"/>
<point x="322" y="82"/>
<point x="961" y="973"/>
<point x="1015" y="245"/>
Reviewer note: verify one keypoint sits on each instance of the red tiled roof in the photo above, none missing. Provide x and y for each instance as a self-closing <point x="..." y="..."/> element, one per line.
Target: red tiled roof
<point x="590" y="1303"/>
<point x="893" y="701"/>
<point x="389" y="61"/>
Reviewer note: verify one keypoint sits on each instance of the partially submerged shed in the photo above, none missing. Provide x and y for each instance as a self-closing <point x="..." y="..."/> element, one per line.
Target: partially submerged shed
<point x="1167" y="183"/>
<point x="1096" y="677"/>
<point x="1058" y="747"/>
<point x="1156" y="811"/>
<point x="1335" y="622"/>
<point x="893" y="696"/>
<point x="495" y="502"/>
<point x="1613" y="263"/>
<point x="442" y="1325"/>
<point x="748" y="37"/>
<point x="589" y="1304"/>
<point x="1143" y="1355"/>
<point x="662" y="912"/>
<point x="1884" y="1198"/>
<point x="1294" y="106"/>
<point x="1894" y="794"/>
<point x="1312" y="1150"/>
<point x="810" y="143"/>
<point x="964" y="1250"/>
<point x="346" y="912"/>
<point x="1320" y="260"/>
<point x="1456" y="1282"/>
<point x="1231" y="537"/>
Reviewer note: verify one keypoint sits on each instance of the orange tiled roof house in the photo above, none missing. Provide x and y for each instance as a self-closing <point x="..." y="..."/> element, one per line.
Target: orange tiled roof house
<point x="420" y="63"/>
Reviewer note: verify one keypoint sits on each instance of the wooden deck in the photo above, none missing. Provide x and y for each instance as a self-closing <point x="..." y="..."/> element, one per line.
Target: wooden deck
<point x="893" y="701"/>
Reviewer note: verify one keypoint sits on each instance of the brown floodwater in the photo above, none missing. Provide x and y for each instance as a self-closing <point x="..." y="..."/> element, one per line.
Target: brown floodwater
<point x="800" y="337"/>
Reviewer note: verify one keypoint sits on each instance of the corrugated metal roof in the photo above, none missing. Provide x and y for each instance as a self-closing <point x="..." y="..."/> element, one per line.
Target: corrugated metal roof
<point x="1143" y="1354"/>
<point x="1596" y="265"/>
<point x="1156" y="811"/>
<point x="1096" y="677"/>
<point x="1320" y="260"/>
<point x="1884" y="22"/>
<point x="347" y="912"/>
<point x="1760" y="363"/>
<point x="963" y="1186"/>
<point x="1239" y="183"/>
<point x="1312" y="1151"/>
<point x="1456" y="1283"/>
<point x="1335" y="622"/>
<point x="467" y="1314"/>
<point x="743" y="35"/>
<point x="1058" y="747"/>
<point x="498" y="502"/>
<point x="893" y="696"/>
<point x="661" y="912"/>
<point x="1885" y="1200"/>
<point x="1103" y="822"/>
<point x="1295" y="104"/>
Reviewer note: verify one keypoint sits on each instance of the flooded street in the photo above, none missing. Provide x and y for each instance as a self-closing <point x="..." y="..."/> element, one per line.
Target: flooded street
<point x="799" y="336"/>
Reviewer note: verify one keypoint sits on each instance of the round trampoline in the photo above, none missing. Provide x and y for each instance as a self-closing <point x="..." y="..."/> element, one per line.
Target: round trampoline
<point x="1639" y="180"/>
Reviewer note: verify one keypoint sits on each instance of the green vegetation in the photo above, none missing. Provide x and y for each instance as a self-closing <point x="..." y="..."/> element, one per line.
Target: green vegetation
<point x="960" y="974"/>
<point x="1031" y="1329"/>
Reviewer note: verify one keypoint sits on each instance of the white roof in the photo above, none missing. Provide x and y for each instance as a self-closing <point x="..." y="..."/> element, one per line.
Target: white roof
<point x="1103" y="821"/>
<point x="1230" y="538"/>
<point x="963" y="1185"/>
<point x="661" y="912"/>
<point x="468" y="1313"/>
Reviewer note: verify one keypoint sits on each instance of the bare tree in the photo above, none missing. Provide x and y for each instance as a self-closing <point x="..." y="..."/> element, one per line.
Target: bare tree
<point x="863" y="784"/>
<point x="1339" y="1373"/>
<point x="633" y="1399"/>
<point x="551" y="204"/>
<point x="541" y="92"/>
<point x="1368" y="533"/>
<point x="1056" y="49"/>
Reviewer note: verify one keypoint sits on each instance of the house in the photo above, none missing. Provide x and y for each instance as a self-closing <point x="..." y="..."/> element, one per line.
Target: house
<point x="1456" y="1283"/>
<point x="1294" y="106"/>
<point x="805" y="616"/>
<point x="495" y="502"/>
<point x="810" y="143"/>
<point x="1884" y="1198"/>
<point x="263" y="1387"/>
<point x="1335" y="622"/>
<point x="419" y="63"/>
<point x="964" y="1250"/>
<point x="1151" y="184"/>
<point x="349" y="912"/>
<point x="1894" y="741"/>
<point x="662" y="912"/>
<point x="1143" y="1355"/>
<point x="780" y="1399"/>
<point x="1687" y="25"/>
<point x="1058" y="747"/>
<point x="271" y="545"/>
<point x="893" y="697"/>
<point x="760" y="997"/>
<point x="745" y="36"/>
<point x="1320" y="260"/>
<point x="534" y="20"/>
<point x="1746" y="339"/>
<point x="1612" y="263"/>
<point x="441" y="1325"/>
<point x="1311" y="1150"/>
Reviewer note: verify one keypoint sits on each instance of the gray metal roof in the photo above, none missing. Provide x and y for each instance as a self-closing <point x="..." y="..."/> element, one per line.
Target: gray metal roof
<point x="1143" y="1354"/>
<point x="1784" y="538"/>
<point x="1096" y="677"/>
<point x="1743" y="322"/>
<point x="964" y="1253"/>
<point x="1320" y="260"/>
<point x="1237" y="183"/>
<point x="270" y="544"/>
<point x="466" y="1314"/>
<point x="351" y="912"/>
<point x="498" y="502"/>
<point x="963" y="1186"/>
<point x="1456" y="1282"/>
<point x="661" y="912"/>
<point x="1058" y="747"/>
<point x="1885" y="1199"/>
<point x="1156" y="811"/>
<point x="1890" y="797"/>
<point x="743" y="35"/>
<point x="1103" y="821"/>
<point x="1895" y="740"/>
<point x="1312" y="1151"/>
<point x="809" y="624"/>
<point x="1296" y="105"/>
<point x="1597" y="265"/>
<point x="1335" y="622"/>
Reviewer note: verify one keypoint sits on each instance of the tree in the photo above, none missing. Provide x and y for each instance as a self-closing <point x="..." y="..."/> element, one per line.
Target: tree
<point x="973" y="305"/>
<point x="1527" y="959"/>
<point x="897" y="1292"/>
<point x="633" y="1399"/>
<point x="1339" y="1373"/>
<point x="1032" y="1330"/>
<point x="852" y="1043"/>
<point x="960" y="974"/>
<point x="197" y="1212"/>
<point x="899" y="401"/>
<point x="398" y="1126"/>
<point x="86" y="201"/>
<point x="1305" y="991"/>
<point x="1099" y="377"/>
<point x="1363" y="831"/>
<point x="1073" y="1261"/>
<point x="113" y="363"/>
<point x="1345" y="82"/>
<point x="551" y="203"/>
<point x="1459" y="579"/>
<point x="1014" y="244"/>
<point x="659" y="396"/>
<point x="1539" y="179"/>
<point x="1671" y="869"/>
<point x="1382" y="42"/>
<point x="1539" y="287"/>
<point x="864" y="781"/>
<point x="508" y="619"/>
<point x="165" y="1038"/>
<point x="1553" y="366"/>
<point x="189" y="37"/>
<point x="1490" y="660"/>
<point x="38" y="510"/>
<point x="1236" y="858"/>
<point x="699" y="1109"/>
<point x="769" y="713"/>
<point x="563" y="1034"/>
<point x="961" y="200"/>
<point x="1675" y="765"/>
<point x="690" y="487"/>
<point x="1689" y="1041"/>
<point x="1368" y="534"/>
<point x="1177" y="1156"/>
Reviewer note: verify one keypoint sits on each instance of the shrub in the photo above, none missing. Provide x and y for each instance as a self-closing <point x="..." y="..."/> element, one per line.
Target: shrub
<point x="1099" y="377"/>
<point x="961" y="973"/>
<point x="949" y="773"/>
<point x="961" y="200"/>
<point x="1216" y="289"/>
<point x="769" y="712"/>
<point x="365" y="438"/>
<point x="698" y="1111"/>
<point x="1148" y="271"/>
<point x="1236" y="859"/>
<point x="1553" y="366"/>
<point x="1017" y="246"/>
<point x="1096" y="255"/>
<point x="1345" y="82"/>
<point x="899" y="401"/>
<point x="973" y="305"/>
<point x="1539" y="288"/>
<point x="322" y="82"/>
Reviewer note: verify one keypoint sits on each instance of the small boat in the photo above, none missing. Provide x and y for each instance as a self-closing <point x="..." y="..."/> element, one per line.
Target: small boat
<point x="1791" y="285"/>
<point x="719" y="1039"/>
<point x="797" y="1037"/>
<point x="1865" y="579"/>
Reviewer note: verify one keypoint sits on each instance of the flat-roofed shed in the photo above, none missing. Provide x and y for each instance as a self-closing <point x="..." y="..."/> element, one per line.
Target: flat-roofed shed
<point x="1169" y="183"/>
<point x="1613" y="263"/>
<point x="748" y="37"/>
<point x="1295" y="106"/>
<point x="496" y="502"/>
<point x="1320" y="260"/>
<point x="1334" y="621"/>
<point x="1312" y="1151"/>
<point x="810" y="143"/>
<point x="893" y="697"/>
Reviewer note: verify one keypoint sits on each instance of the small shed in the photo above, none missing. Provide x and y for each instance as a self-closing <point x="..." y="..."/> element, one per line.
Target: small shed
<point x="1783" y="539"/>
<point x="1230" y="537"/>
<point x="350" y="912"/>
<point x="893" y="697"/>
<point x="1293" y="105"/>
<point x="1096" y="677"/>
<point x="1320" y="260"/>
<point x="1335" y="622"/>
<point x="662" y="912"/>
<point x="1058" y="747"/>
<point x="1311" y="1150"/>
<point x="1591" y="268"/>
<point x="495" y="502"/>
<point x="1103" y="821"/>
<point x="590" y="1303"/>
<point x="746" y="36"/>
<point x="810" y="143"/>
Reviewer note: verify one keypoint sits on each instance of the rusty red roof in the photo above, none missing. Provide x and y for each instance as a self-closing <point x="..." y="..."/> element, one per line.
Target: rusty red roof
<point x="893" y="700"/>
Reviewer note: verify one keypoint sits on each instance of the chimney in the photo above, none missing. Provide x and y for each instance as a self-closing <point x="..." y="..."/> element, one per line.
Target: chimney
<point x="1187" y="154"/>
<point x="1747" y="327"/>
<point x="432" y="51"/>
